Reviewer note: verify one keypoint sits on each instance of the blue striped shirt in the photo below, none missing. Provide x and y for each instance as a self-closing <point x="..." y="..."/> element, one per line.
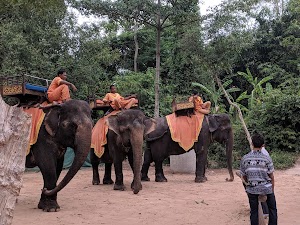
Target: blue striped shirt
<point x="257" y="167"/>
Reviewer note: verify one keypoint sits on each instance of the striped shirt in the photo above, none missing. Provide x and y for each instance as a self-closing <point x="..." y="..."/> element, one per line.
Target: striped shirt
<point x="256" y="166"/>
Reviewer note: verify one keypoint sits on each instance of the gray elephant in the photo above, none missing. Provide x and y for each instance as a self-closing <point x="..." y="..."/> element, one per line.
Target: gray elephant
<point x="65" y="125"/>
<point x="125" y="137"/>
<point x="160" y="145"/>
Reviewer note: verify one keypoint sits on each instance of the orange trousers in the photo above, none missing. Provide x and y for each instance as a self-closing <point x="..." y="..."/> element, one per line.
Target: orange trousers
<point x="124" y="104"/>
<point x="60" y="94"/>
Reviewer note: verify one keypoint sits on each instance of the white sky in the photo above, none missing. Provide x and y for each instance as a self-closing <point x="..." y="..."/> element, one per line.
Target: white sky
<point x="208" y="3"/>
<point x="203" y="8"/>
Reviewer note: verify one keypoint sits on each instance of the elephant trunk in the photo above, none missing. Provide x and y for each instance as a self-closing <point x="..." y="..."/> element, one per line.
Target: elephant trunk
<point x="137" y="148"/>
<point x="82" y="148"/>
<point x="229" y="148"/>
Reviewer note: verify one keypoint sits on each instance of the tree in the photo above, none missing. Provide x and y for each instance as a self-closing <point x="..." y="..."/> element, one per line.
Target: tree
<point x="257" y="89"/>
<point x="33" y="38"/>
<point x="160" y="15"/>
<point x="216" y="94"/>
<point x="14" y="138"/>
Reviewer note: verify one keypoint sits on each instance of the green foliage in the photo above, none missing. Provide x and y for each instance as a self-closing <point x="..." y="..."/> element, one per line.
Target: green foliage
<point x="32" y="37"/>
<point x="215" y="95"/>
<point x="278" y="119"/>
<point x="257" y="91"/>
<point x="283" y="160"/>
<point x="142" y="84"/>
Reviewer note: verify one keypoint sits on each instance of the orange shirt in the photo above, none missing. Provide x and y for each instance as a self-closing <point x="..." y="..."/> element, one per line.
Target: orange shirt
<point x="112" y="97"/>
<point x="54" y="84"/>
<point x="197" y="101"/>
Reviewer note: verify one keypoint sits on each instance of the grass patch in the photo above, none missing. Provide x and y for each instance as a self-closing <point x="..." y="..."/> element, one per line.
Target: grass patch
<point x="284" y="160"/>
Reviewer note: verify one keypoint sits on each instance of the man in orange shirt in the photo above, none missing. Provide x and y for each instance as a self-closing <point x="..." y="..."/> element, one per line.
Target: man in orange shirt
<point x="200" y="106"/>
<point x="118" y="102"/>
<point x="58" y="90"/>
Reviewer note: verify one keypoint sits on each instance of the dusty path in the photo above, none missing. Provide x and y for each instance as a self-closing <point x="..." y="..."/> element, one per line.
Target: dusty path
<point x="179" y="201"/>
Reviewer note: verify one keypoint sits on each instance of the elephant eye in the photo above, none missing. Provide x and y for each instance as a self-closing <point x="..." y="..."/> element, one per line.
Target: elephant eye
<point x="122" y="129"/>
<point x="64" y="124"/>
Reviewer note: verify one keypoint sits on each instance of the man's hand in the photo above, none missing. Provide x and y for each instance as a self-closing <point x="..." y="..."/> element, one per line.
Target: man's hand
<point x="73" y="87"/>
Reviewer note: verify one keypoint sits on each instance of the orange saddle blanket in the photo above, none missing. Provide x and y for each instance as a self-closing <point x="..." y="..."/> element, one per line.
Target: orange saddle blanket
<point x="37" y="117"/>
<point x="99" y="133"/>
<point x="184" y="129"/>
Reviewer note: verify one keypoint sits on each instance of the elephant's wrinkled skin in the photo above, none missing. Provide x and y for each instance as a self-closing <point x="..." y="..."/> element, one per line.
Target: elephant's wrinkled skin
<point x="124" y="138"/>
<point x="65" y="125"/>
<point x="160" y="145"/>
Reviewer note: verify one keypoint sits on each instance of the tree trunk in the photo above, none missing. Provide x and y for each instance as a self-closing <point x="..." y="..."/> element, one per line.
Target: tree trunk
<point x="157" y="74"/>
<point x="238" y="109"/>
<point x="15" y="126"/>
<point x="136" y="50"/>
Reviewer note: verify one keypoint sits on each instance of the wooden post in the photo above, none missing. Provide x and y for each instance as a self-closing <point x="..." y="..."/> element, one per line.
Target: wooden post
<point x="15" y="128"/>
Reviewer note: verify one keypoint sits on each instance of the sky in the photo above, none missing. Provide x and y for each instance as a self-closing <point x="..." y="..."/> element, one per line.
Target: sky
<point x="203" y="8"/>
<point x="208" y="3"/>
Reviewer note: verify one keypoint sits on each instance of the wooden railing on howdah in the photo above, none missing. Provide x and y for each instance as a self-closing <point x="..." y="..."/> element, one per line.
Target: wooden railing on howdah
<point x="22" y="85"/>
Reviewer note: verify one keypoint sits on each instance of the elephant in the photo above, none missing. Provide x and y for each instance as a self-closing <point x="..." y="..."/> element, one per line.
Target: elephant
<point x="65" y="125"/>
<point x="215" y="127"/>
<point x="125" y="137"/>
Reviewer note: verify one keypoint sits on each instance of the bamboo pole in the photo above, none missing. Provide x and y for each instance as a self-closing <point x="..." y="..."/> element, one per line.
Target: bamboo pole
<point x="15" y="128"/>
<point x="238" y="110"/>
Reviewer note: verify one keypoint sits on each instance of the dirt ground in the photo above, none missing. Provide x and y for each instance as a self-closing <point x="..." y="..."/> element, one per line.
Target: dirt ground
<point x="179" y="201"/>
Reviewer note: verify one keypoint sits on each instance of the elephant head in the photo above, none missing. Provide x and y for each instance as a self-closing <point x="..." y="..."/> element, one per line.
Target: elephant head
<point x="221" y="130"/>
<point x="69" y="125"/>
<point x="131" y="126"/>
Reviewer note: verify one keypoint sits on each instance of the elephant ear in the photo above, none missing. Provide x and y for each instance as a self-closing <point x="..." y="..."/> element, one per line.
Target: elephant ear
<point x="213" y="122"/>
<point x="150" y="125"/>
<point x="112" y="123"/>
<point x="52" y="119"/>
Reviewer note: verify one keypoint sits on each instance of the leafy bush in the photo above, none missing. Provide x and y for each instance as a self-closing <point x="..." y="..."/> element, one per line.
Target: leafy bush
<point x="283" y="160"/>
<point x="278" y="120"/>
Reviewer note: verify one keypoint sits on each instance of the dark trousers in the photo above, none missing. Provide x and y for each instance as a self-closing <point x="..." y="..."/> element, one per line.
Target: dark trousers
<point x="271" y="202"/>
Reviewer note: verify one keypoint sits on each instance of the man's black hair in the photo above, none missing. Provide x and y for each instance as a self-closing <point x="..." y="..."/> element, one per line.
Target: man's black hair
<point x="60" y="71"/>
<point x="257" y="140"/>
<point x="111" y="86"/>
<point x="195" y="92"/>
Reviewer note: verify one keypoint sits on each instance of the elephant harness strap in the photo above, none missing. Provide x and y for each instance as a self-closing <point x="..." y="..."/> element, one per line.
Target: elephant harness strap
<point x="99" y="133"/>
<point x="37" y="117"/>
<point x="185" y="129"/>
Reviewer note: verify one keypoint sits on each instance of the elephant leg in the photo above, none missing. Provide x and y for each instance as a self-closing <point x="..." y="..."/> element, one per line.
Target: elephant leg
<point x="49" y="203"/>
<point x="201" y="160"/>
<point x="95" y="163"/>
<point x="59" y="166"/>
<point x="119" y="185"/>
<point x="145" y="168"/>
<point x="107" y="174"/>
<point x="130" y="160"/>
<point x="159" y="173"/>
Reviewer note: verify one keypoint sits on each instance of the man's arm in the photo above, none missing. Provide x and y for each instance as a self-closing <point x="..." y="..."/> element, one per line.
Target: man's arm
<point x="271" y="175"/>
<point x="68" y="83"/>
<point x="129" y="97"/>
<point x="106" y="98"/>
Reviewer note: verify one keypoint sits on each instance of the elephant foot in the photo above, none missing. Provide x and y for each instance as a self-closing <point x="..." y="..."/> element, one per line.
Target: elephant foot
<point x="229" y="179"/>
<point x="107" y="181"/>
<point x="200" y="179"/>
<point x="96" y="182"/>
<point x="48" y="205"/>
<point x="160" y="178"/>
<point x="145" y="178"/>
<point x="139" y="187"/>
<point x="119" y="187"/>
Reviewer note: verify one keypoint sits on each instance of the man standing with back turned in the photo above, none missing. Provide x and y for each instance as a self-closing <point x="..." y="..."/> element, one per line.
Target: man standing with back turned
<point x="257" y="169"/>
